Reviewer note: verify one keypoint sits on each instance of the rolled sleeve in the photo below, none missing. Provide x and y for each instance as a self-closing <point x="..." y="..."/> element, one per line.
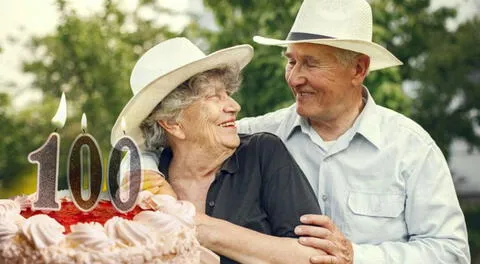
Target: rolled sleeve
<point x="287" y="195"/>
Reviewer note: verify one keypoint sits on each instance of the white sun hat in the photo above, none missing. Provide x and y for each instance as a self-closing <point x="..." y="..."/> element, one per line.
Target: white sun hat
<point x="345" y="24"/>
<point x="160" y="70"/>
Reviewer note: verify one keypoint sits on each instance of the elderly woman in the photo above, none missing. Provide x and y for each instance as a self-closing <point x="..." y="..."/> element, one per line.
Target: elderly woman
<point x="248" y="191"/>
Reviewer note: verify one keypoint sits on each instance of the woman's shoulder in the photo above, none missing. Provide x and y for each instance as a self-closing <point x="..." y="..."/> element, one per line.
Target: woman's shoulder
<point x="259" y="138"/>
<point x="262" y="143"/>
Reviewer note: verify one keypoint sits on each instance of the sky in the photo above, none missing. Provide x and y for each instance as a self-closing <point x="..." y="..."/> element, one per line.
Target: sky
<point x="24" y="18"/>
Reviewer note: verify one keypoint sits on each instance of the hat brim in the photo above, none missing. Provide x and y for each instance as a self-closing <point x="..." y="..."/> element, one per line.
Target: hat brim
<point x="380" y="57"/>
<point x="142" y="103"/>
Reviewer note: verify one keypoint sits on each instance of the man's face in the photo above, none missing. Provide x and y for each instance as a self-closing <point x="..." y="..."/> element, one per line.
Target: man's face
<point x="322" y="86"/>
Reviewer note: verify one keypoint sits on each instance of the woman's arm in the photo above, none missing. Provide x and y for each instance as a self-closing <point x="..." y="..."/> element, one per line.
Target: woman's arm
<point x="247" y="246"/>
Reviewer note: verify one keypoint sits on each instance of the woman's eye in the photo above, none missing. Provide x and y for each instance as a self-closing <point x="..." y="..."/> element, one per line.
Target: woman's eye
<point x="213" y="96"/>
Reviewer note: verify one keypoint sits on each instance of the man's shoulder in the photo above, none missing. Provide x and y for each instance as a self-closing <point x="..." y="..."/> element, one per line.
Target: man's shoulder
<point x="272" y="122"/>
<point x="395" y="124"/>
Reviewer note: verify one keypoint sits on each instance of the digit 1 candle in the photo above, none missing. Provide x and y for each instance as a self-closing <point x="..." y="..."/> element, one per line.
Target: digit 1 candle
<point x="46" y="157"/>
<point x="76" y="175"/>
<point x="135" y="172"/>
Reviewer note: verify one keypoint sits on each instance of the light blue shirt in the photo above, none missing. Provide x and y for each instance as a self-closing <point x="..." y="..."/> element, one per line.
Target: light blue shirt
<point x="384" y="183"/>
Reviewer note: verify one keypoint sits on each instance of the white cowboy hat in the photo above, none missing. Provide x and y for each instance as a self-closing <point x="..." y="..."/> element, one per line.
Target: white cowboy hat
<point x="160" y="70"/>
<point x="345" y="24"/>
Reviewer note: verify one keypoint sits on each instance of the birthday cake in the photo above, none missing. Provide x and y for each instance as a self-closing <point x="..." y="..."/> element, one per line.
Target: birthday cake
<point x="160" y="229"/>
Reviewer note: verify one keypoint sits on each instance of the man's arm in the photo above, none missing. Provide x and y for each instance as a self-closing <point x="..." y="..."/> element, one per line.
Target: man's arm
<point x="269" y="122"/>
<point x="434" y="220"/>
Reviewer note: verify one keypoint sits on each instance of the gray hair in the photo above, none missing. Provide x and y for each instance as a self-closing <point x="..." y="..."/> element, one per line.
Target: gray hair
<point x="346" y="57"/>
<point x="170" y="108"/>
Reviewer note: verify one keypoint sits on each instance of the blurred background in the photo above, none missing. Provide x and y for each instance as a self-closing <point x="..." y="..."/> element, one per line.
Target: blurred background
<point x="88" y="48"/>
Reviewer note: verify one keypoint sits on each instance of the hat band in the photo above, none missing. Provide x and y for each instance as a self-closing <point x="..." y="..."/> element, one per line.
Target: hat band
<point x="304" y="36"/>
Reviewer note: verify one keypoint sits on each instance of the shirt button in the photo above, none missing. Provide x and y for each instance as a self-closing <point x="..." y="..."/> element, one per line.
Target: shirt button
<point x="211" y="203"/>
<point x="324" y="197"/>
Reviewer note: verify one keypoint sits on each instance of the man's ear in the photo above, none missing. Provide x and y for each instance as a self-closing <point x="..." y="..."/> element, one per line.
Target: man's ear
<point x="173" y="128"/>
<point x="362" y="64"/>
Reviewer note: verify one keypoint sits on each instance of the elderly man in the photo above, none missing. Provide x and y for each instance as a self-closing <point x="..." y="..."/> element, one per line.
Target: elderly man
<point x="380" y="179"/>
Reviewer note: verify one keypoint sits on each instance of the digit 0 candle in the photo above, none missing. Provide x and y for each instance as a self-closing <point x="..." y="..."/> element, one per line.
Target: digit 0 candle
<point x="125" y="143"/>
<point x="76" y="175"/>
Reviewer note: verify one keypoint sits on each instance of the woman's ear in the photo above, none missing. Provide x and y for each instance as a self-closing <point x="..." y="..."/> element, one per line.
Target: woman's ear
<point x="173" y="128"/>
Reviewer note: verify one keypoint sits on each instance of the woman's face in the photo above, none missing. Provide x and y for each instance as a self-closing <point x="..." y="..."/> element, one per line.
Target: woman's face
<point x="210" y="120"/>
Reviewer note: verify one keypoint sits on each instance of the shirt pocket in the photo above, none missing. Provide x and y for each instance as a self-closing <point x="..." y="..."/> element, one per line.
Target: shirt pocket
<point x="376" y="204"/>
<point x="375" y="217"/>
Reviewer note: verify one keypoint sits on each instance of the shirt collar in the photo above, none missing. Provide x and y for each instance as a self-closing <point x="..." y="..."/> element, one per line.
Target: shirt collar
<point x="367" y="123"/>
<point x="229" y="166"/>
<point x="295" y="121"/>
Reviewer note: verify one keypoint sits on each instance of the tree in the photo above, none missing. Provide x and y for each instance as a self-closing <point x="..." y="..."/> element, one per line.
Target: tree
<point x="407" y="28"/>
<point x="90" y="59"/>
<point x="18" y="139"/>
<point x="449" y="86"/>
<point x="441" y="64"/>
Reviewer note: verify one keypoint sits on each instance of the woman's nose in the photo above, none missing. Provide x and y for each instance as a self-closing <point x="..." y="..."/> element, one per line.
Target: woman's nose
<point x="232" y="105"/>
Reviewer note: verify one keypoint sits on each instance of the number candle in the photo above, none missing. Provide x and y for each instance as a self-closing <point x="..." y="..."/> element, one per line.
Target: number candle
<point x="46" y="157"/>
<point x="85" y="141"/>
<point x="135" y="173"/>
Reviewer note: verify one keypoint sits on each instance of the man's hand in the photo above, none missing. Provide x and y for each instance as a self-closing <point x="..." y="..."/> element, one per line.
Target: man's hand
<point x="152" y="181"/>
<point x="319" y="231"/>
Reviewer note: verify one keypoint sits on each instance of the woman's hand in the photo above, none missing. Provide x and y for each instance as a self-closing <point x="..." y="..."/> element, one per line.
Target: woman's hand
<point x="153" y="182"/>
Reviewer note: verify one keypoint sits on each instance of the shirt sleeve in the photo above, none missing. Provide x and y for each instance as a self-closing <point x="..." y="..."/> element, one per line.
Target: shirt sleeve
<point x="269" y="122"/>
<point x="435" y="222"/>
<point x="149" y="161"/>
<point x="287" y="194"/>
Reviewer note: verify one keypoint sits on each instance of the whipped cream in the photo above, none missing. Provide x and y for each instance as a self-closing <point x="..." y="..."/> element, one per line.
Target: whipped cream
<point x="90" y="235"/>
<point x="43" y="231"/>
<point x="8" y="208"/>
<point x="127" y="232"/>
<point x="162" y="237"/>
<point x="159" y="221"/>
<point x="183" y="210"/>
<point x="7" y="230"/>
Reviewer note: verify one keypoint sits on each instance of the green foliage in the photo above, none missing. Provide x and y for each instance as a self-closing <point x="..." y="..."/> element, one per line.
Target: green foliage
<point x="90" y="59"/>
<point x="442" y="65"/>
<point x="19" y="137"/>
<point x="449" y="86"/>
<point x="264" y="88"/>
<point x="238" y="21"/>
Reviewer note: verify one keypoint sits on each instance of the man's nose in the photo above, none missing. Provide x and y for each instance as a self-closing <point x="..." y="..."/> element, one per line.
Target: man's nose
<point x="295" y="76"/>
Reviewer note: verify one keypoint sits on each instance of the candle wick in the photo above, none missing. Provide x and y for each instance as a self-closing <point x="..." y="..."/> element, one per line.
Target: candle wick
<point x="55" y="130"/>
<point x="123" y="132"/>
<point x="83" y="130"/>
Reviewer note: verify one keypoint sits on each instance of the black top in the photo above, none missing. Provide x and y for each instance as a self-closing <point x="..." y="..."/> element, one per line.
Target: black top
<point x="259" y="187"/>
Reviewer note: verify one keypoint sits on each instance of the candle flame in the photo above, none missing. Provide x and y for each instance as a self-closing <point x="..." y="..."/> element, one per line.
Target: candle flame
<point x="123" y="124"/>
<point x="84" y="122"/>
<point x="61" y="116"/>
